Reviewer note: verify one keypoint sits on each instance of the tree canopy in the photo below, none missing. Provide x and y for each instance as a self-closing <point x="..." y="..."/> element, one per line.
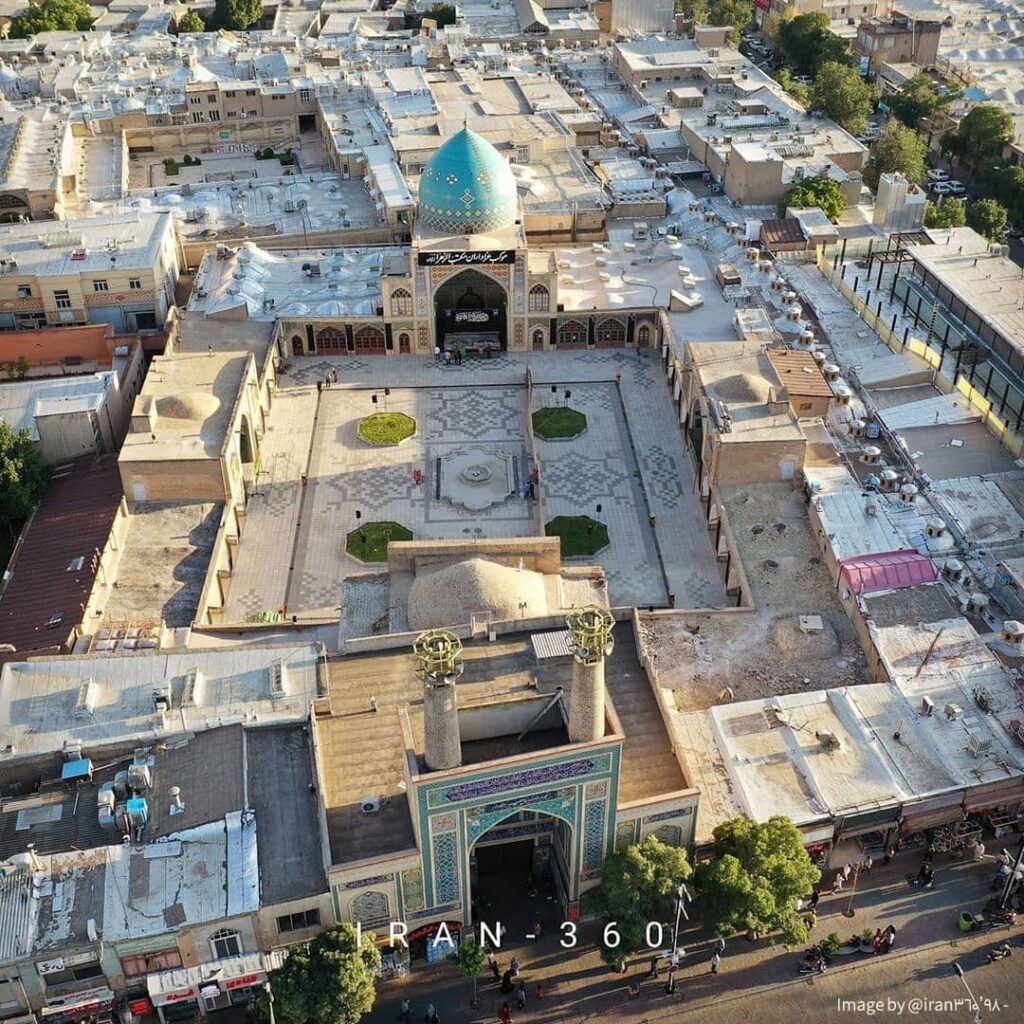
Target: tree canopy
<point x="981" y="135"/>
<point x="738" y="14"/>
<point x="808" y="42"/>
<point x="1007" y="184"/>
<point x="235" y="15"/>
<point x="693" y="10"/>
<point x="898" y="148"/>
<point x="822" y="192"/>
<point x="22" y="476"/>
<point x="470" y="958"/>
<point x="52" y="16"/>
<point x="801" y="93"/>
<point x="329" y="981"/>
<point x="918" y="99"/>
<point x="756" y="875"/>
<point x="843" y="95"/>
<point x="988" y="218"/>
<point x="640" y="885"/>
<point x="191" y="21"/>
<point x="951" y="213"/>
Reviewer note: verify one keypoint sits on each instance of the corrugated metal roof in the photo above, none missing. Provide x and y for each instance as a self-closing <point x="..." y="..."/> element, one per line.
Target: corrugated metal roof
<point x="551" y="645"/>
<point x="73" y="521"/>
<point x="888" y="570"/>
<point x="798" y="372"/>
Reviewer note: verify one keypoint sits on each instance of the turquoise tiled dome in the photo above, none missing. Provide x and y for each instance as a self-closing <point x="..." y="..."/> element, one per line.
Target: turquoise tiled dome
<point x="467" y="188"/>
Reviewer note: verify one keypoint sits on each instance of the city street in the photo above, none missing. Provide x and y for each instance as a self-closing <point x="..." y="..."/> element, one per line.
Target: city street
<point x="758" y="982"/>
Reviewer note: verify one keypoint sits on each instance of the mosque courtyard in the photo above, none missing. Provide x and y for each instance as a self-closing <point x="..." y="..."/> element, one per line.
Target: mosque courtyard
<point x="466" y="473"/>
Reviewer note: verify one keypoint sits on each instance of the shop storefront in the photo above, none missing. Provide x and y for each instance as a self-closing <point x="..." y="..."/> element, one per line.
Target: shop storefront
<point x="92" y="1005"/>
<point x="870" y="832"/>
<point x="936" y="813"/>
<point x="178" y="995"/>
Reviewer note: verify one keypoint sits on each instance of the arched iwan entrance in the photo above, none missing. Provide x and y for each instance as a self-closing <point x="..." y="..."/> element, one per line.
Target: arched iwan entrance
<point x="470" y="312"/>
<point x="522" y="871"/>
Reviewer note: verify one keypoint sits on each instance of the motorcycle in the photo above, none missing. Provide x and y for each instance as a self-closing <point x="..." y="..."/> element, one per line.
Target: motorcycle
<point x="812" y="966"/>
<point x="1001" y="952"/>
<point x="975" y="922"/>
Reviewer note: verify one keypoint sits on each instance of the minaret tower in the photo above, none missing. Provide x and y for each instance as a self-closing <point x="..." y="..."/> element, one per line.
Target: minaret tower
<point x="438" y="655"/>
<point x="591" y="642"/>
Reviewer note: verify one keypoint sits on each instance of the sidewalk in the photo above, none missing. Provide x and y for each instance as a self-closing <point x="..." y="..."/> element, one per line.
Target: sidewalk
<point x="579" y="986"/>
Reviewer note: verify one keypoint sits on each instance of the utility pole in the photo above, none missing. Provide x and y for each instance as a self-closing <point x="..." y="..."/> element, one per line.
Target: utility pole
<point x="1013" y="875"/>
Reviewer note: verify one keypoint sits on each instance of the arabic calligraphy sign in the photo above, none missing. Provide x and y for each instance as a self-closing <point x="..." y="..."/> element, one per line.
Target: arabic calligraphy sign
<point x="454" y="259"/>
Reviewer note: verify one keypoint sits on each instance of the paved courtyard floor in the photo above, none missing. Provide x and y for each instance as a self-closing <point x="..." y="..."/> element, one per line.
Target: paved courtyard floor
<point x="317" y="473"/>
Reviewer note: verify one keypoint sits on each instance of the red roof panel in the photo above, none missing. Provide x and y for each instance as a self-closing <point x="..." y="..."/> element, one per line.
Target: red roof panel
<point x="888" y="570"/>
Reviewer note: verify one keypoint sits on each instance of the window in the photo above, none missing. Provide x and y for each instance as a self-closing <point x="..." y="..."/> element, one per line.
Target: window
<point x="100" y="286"/>
<point x="24" y="291"/>
<point x="139" y="966"/>
<point x="226" y="942"/>
<point x="644" y="335"/>
<point x="540" y="299"/>
<point x="303" y="95"/>
<point x="135" y="284"/>
<point x="252" y="113"/>
<point x="232" y="113"/>
<point x="250" y="92"/>
<point x="522" y="154"/>
<point x="296" y="922"/>
<point x="611" y="332"/>
<point x="572" y="332"/>
<point x="538" y="338"/>
<point x="404" y="342"/>
<point x="62" y="299"/>
<point x="369" y="338"/>
<point x="230" y="94"/>
<point x="211" y="97"/>
<point x="401" y="303"/>
<point x="331" y="339"/>
<point x="194" y="101"/>
<point x="371" y="909"/>
<point x="214" y="115"/>
<point x="803" y="405"/>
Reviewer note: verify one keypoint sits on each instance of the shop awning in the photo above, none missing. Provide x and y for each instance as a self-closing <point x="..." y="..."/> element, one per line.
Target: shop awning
<point x="888" y="570"/>
<point x="185" y="983"/>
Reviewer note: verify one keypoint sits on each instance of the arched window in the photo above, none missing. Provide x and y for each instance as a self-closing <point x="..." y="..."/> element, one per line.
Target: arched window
<point x="369" y="338"/>
<point x="572" y="332"/>
<point x="540" y="299"/>
<point x="401" y="303"/>
<point x="371" y="909"/>
<point x="331" y="339"/>
<point x="538" y="338"/>
<point x="404" y="342"/>
<point x="644" y="335"/>
<point x="297" y="345"/>
<point x="225" y="943"/>
<point x="611" y="332"/>
<point x="670" y="835"/>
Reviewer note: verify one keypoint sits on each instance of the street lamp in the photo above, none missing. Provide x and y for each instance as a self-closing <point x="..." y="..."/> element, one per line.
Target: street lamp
<point x="976" y="1019"/>
<point x="682" y="894"/>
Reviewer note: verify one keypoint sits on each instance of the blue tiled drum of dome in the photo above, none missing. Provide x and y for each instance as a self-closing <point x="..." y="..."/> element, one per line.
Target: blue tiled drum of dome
<point x="467" y="188"/>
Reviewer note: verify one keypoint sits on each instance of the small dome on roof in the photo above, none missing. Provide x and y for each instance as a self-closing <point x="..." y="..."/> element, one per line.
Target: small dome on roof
<point x="193" y="406"/>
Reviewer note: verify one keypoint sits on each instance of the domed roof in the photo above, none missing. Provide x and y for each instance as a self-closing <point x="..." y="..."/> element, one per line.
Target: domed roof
<point x="467" y="188"/>
<point x="192" y="406"/>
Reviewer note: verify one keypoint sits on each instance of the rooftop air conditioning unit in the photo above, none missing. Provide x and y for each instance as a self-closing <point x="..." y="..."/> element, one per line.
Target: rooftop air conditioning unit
<point x="927" y="706"/>
<point x="953" y="711"/>
<point x="1012" y="632"/>
<point x="370" y="805"/>
<point x="976" y="745"/>
<point x="162" y="696"/>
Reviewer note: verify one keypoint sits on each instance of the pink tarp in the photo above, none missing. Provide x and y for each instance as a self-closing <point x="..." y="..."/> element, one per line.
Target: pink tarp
<point x="888" y="570"/>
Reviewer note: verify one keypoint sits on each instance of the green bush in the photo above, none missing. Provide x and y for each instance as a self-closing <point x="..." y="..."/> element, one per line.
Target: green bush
<point x="170" y="166"/>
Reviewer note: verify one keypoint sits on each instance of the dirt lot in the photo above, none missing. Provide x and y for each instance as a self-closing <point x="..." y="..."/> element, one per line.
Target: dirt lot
<point x="761" y="653"/>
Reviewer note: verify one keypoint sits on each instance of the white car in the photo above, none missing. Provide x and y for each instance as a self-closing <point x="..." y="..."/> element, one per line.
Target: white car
<point x="956" y="188"/>
<point x="941" y="188"/>
<point x="937" y="174"/>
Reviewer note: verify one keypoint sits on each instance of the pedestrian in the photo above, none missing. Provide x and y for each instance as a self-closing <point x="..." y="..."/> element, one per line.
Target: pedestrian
<point x="539" y="992"/>
<point x="437" y="353"/>
<point x="505" y="1013"/>
<point x="434" y="1019"/>
<point x="890" y="938"/>
<point x="319" y="385"/>
<point x="495" y="970"/>
<point x="653" y="972"/>
<point x="868" y="863"/>
<point x="847" y="869"/>
<point x="536" y="931"/>
<point x="447" y="358"/>
<point x="462" y="354"/>
<point x="430" y="1013"/>
<point x="652" y="519"/>
<point x="813" y="902"/>
<point x="890" y="852"/>
<point x="715" y="961"/>
<point x="514" y="967"/>
<point x="406" y="1011"/>
<point x="334" y="375"/>
<point x="506" y="983"/>
<point x="878" y="941"/>
<point x="521" y="996"/>
<point x="720" y="945"/>
<point x="838" y="887"/>
<point x="978" y="850"/>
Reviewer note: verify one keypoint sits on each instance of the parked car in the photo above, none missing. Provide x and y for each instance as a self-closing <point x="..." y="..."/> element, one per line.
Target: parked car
<point x="1014" y="231"/>
<point x="938" y="174"/>
<point x="956" y="188"/>
<point x="941" y="188"/>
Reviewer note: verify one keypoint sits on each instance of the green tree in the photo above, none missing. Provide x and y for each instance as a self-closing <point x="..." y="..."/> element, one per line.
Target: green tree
<point x="898" y="148"/>
<point x="470" y="957"/>
<point x="801" y="93"/>
<point x="738" y="14"/>
<point x="756" y="875"/>
<point x="52" y="16"/>
<point x="191" y="21"/>
<point x="951" y="213"/>
<point x="808" y="42"/>
<point x="640" y="885"/>
<point x="988" y="218"/>
<point x="22" y="476"/>
<point x="694" y="10"/>
<point x="843" y="95"/>
<point x="235" y="15"/>
<point x="981" y="135"/>
<point x="918" y="99"/>
<point x="821" y="192"/>
<point x="328" y="981"/>
<point x="1007" y="184"/>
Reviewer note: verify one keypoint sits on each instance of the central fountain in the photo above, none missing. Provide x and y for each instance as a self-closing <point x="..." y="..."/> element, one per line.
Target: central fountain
<point x="477" y="478"/>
